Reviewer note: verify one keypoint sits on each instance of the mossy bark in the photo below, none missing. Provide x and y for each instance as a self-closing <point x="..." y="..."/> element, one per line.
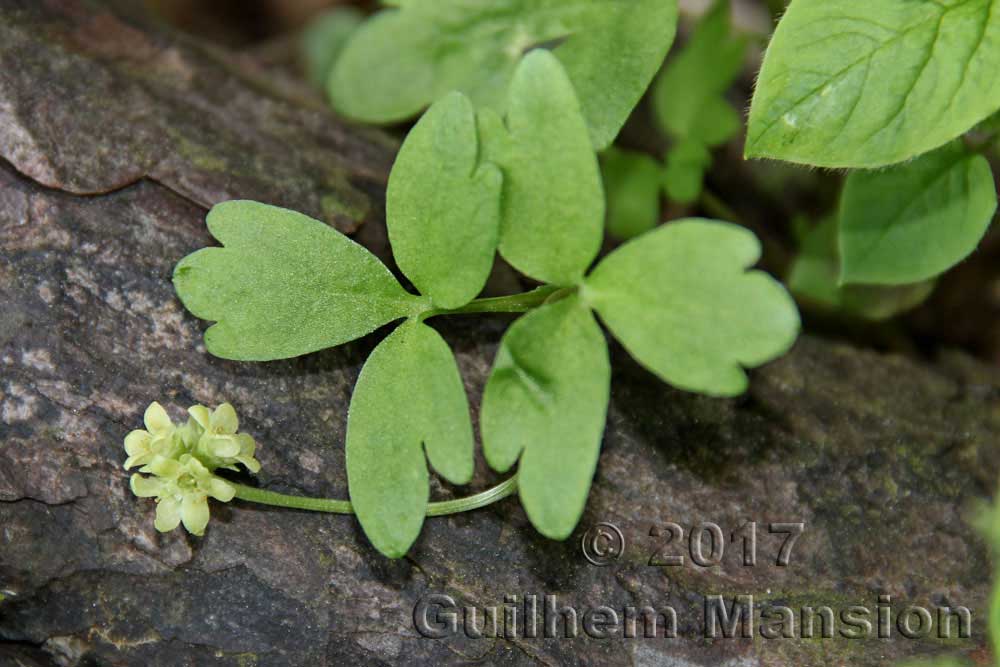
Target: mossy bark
<point x="116" y="136"/>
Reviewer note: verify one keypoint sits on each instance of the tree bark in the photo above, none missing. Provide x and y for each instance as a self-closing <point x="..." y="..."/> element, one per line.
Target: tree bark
<point x="117" y="135"/>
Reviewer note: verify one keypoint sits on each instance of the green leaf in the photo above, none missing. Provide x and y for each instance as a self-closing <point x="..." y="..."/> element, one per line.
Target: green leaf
<point x="409" y="397"/>
<point x="632" y="184"/>
<point x="546" y="402"/>
<point x="684" y="174"/>
<point x="814" y="277"/>
<point x="916" y="220"/>
<point x="681" y="301"/>
<point x="552" y="218"/>
<point x="323" y="40"/>
<point x="442" y="207"/>
<point x="854" y="83"/>
<point x="687" y="96"/>
<point x="285" y="285"/>
<point x="404" y="59"/>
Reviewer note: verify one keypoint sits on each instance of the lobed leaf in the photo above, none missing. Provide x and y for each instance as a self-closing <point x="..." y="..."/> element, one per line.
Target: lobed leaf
<point x="684" y="172"/>
<point x="852" y="83"/>
<point x="632" y="184"/>
<point x="546" y="402"/>
<point x="443" y="206"/>
<point x="405" y="58"/>
<point x="409" y="398"/>
<point x="323" y="40"/>
<point x="688" y="95"/>
<point x="681" y="301"/>
<point x="285" y="285"/>
<point x="916" y="220"/>
<point x="552" y="214"/>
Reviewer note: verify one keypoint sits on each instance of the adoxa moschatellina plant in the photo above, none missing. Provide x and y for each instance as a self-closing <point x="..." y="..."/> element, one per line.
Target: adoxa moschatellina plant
<point x="519" y="177"/>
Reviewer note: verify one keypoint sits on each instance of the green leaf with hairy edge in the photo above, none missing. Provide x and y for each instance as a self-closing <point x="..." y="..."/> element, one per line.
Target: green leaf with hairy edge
<point x="323" y="40"/>
<point x="409" y="398"/>
<point x="552" y="212"/>
<point x="687" y="96"/>
<point x="443" y="206"/>
<point x="632" y="184"/>
<point x="684" y="172"/>
<point x="404" y="59"/>
<point x="814" y="278"/>
<point x="285" y="285"/>
<point x="681" y="301"/>
<point x="854" y="83"/>
<point x="916" y="220"/>
<point x="546" y="401"/>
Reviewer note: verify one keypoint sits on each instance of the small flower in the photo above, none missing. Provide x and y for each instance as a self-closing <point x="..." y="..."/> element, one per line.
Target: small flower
<point x="181" y="462"/>
<point x="142" y="446"/>
<point x="219" y="442"/>
<point x="181" y="488"/>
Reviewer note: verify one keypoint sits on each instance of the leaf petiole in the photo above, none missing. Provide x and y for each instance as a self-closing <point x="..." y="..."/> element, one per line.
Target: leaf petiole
<point x="264" y="497"/>
<point x="515" y="303"/>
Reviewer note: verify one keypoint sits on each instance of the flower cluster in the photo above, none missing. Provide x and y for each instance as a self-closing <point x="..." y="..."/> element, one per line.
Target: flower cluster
<point x="181" y="462"/>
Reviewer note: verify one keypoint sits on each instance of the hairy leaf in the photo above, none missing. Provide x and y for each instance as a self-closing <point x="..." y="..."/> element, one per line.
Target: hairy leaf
<point x="285" y="285"/>
<point x="632" y="184"/>
<point x="687" y="96"/>
<point x="443" y="207"/>
<point x="546" y="401"/>
<point x="681" y="301"/>
<point x="814" y="278"/>
<point x="916" y="220"/>
<point x="854" y="83"/>
<point x="409" y="397"/>
<point x="403" y="59"/>
<point x="552" y="214"/>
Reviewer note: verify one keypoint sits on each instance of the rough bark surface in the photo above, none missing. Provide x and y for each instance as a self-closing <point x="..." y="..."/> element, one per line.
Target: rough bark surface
<point x="116" y="136"/>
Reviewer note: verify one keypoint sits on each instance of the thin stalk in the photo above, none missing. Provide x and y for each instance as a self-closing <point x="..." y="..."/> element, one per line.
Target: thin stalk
<point x="714" y="205"/>
<point x="515" y="303"/>
<point x="264" y="497"/>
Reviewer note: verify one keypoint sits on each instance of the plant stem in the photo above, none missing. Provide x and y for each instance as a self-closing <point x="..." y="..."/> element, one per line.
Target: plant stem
<point x="714" y="205"/>
<point x="515" y="303"/>
<point x="264" y="497"/>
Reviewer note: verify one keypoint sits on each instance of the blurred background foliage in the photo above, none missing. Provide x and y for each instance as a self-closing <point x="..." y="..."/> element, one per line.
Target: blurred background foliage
<point x="789" y="207"/>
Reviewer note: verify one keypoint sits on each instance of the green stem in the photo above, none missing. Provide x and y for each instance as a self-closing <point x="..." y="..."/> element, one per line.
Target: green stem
<point x="714" y="205"/>
<point x="515" y="303"/>
<point x="264" y="497"/>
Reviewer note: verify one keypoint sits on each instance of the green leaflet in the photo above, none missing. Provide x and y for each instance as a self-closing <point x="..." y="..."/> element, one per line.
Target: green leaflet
<point x="689" y="104"/>
<point x="323" y="40"/>
<point x="632" y="184"/>
<point x="684" y="174"/>
<point x="681" y="301"/>
<point x="552" y="215"/>
<point x="409" y="397"/>
<point x="442" y="207"/>
<point x="916" y="220"/>
<point x="546" y="401"/>
<point x="285" y="285"/>
<point x="688" y="96"/>
<point x="854" y="83"/>
<point x="404" y="59"/>
<point x="815" y="272"/>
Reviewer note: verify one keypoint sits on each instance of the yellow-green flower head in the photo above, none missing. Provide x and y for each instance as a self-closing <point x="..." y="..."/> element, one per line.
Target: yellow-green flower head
<point x="219" y="445"/>
<point x="181" y="488"/>
<point x="181" y="462"/>
<point x="158" y="438"/>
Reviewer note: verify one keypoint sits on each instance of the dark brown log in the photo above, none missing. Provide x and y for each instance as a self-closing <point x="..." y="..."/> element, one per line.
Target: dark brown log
<point x="117" y="135"/>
